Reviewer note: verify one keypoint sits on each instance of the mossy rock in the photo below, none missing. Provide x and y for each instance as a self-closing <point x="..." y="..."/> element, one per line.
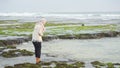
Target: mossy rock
<point x="57" y="28"/>
<point x="26" y="53"/>
<point x="66" y="65"/>
<point x="61" y="65"/>
<point x="48" y="65"/>
<point x="48" y="37"/>
<point x="84" y="36"/>
<point x="9" y="42"/>
<point x="67" y="36"/>
<point x="97" y="64"/>
<point x="9" y="54"/>
<point x="27" y="65"/>
<point x="9" y="67"/>
<point x="11" y="47"/>
<point x="79" y="64"/>
<point x="116" y="63"/>
<point x="110" y="65"/>
<point x="7" y="47"/>
<point x="16" y="53"/>
<point x="2" y="48"/>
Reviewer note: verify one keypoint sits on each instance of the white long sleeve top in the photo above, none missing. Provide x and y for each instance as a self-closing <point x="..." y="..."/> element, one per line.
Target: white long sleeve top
<point x="38" y="32"/>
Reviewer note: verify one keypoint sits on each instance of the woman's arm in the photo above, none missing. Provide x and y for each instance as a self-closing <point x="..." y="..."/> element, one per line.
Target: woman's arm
<point x="41" y="30"/>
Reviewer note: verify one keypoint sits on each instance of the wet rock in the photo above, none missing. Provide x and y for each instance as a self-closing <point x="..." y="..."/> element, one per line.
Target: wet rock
<point x="79" y="64"/>
<point x="27" y="65"/>
<point x="26" y="53"/>
<point x="68" y="36"/>
<point x="90" y="36"/>
<point x="97" y="64"/>
<point x="116" y="63"/>
<point x="49" y="37"/>
<point x="16" y="53"/>
<point x="51" y="64"/>
<point x="61" y="65"/>
<point x="9" y="67"/>
<point x="12" y="41"/>
<point x="11" y="47"/>
<point x="109" y="34"/>
<point x="110" y="65"/>
<point x="66" y="65"/>
<point x="83" y="36"/>
<point x="46" y="63"/>
<point x="4" y="42"/>
<point x="2" y="48"/>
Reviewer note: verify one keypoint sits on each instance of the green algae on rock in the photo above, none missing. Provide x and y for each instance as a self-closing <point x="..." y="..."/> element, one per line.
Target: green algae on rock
<point x="53" y="28"/>
<point x="11" y="47"/>
<point x="63" y="64"/>
<point x="82" y="36"/>
<point x="2" y="48"/>
<point x="24" y="65"/>
<point x="9" y="67"/>
<point x="79" y="64"/>
<point x="110" y="65"/>
<point x="98" y="64"/>
<point x="7" y="47"/>
<point x="57" y="64"/>
<point x="16" y="53"/>
<point x="13" y="41"/>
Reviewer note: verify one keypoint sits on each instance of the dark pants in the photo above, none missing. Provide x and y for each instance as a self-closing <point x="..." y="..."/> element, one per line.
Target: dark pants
<point x="37" y="46"/>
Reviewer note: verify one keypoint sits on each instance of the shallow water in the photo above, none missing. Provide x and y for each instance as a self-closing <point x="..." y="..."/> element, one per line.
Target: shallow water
<point x="105" y="49"/>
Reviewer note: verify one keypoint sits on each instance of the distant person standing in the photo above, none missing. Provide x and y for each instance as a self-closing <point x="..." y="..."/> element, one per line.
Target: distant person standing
<point x="37" y="38"/>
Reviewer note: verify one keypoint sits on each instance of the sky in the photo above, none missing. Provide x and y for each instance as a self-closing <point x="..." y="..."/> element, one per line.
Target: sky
<point x="59" y="5"/>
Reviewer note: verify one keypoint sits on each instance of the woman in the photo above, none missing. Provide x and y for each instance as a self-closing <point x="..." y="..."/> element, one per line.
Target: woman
<point x="37" y="38"/>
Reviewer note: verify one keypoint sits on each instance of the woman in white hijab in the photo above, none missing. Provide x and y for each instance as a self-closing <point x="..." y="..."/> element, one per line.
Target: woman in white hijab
<point x="37" y="38"/>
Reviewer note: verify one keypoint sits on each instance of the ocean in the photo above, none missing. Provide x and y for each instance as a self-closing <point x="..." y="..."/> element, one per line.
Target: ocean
<point x="85" y="17"/>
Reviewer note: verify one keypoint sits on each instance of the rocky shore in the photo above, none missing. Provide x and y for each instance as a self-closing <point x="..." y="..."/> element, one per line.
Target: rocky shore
<point x="83" y="36"/>
<point x="18" y="34"/>
<point x="63" y="64"/>
<point x="13" y="41"/>
<point x="4" y="42"/>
